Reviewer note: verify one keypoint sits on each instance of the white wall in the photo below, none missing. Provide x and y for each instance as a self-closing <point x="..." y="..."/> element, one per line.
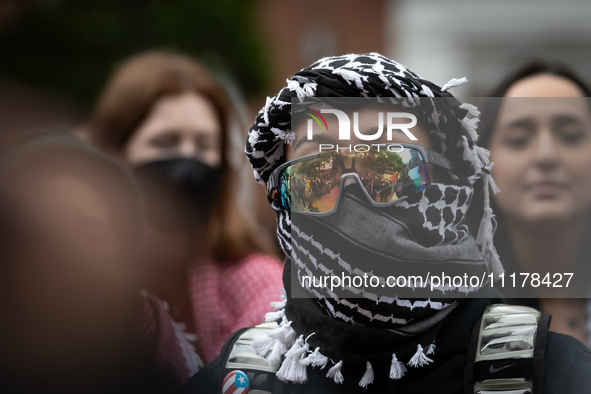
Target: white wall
<point x="483" y="40"/>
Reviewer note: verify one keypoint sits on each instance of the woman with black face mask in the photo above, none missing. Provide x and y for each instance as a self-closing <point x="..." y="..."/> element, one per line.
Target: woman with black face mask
<point x="167" y="118"/>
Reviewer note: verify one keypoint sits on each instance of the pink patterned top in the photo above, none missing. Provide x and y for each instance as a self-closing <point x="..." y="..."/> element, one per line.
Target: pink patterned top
<point x="228" y="296"/>
<point x="224" y="298"/>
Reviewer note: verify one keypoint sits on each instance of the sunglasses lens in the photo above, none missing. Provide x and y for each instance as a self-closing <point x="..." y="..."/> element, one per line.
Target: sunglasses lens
<point x="284" y="188"/>
<point x="313" y="185"/>
<point x="388" y="176"/>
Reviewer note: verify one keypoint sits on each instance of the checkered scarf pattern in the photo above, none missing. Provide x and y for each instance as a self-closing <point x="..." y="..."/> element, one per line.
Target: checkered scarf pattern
<point x="452" y="127"/>
<point x="451" y="124"/>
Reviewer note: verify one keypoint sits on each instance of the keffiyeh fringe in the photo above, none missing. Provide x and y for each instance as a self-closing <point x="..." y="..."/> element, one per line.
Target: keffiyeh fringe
<point x="479" y="157"/>
<point x="292" y="357"/>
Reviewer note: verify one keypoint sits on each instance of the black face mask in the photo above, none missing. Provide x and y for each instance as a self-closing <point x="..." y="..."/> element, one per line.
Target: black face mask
<point x="178" y="191"/>
<point x="422" y="234"/>
<point x="190" y="175"/>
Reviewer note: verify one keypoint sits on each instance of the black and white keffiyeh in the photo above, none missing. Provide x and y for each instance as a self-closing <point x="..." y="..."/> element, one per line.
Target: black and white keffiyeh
<point x="299" y="342"/>
<point x="453" y="128"/>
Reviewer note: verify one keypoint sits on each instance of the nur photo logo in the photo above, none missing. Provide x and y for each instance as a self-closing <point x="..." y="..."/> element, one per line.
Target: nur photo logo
<point x="345" y="124"/>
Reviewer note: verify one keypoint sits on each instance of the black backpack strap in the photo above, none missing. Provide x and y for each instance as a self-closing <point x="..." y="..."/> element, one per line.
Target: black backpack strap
<point x="471" y="358"/>
<point x="540" y="352"/>
<point x="506" y="351"/>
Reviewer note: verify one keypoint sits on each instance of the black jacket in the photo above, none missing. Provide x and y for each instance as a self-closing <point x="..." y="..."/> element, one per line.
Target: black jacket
<point x="567" y="366"/>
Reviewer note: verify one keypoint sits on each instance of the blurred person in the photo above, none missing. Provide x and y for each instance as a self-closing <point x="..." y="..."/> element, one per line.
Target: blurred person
<point x="166" y="117"/>
<point x="359" y="340"/>
<point x="73" y="318"/>
<point x="542" y="154"/>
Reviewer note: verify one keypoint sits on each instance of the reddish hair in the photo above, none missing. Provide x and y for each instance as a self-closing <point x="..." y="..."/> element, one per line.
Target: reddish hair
<point x="127" y="100"/>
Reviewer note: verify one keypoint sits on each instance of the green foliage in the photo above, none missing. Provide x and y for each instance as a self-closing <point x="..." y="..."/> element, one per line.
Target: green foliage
<point x="384" y="161"/>
<point x="311" y="168"/>
<point x="72" y="45"/>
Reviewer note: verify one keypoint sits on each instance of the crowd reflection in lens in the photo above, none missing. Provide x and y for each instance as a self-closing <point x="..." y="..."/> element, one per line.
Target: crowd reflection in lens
<point x="386" y="176"/>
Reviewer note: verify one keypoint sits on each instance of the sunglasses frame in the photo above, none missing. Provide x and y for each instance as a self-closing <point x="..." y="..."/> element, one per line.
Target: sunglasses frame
<point x="429" y="157"/>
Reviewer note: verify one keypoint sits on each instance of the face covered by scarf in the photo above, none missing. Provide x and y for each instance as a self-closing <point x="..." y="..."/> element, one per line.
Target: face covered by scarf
<point x="427" y="228"/>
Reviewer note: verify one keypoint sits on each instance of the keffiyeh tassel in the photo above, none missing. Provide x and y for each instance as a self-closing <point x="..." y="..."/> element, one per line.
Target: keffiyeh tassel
<point x="316" y="359"/>
<point x="397" y="369"/>
<point x="282" y="338"/>
<point x="292" y="369"/>
<point x="483" y="155"/>
<point x="472" y="109"/>
<point x="277" y="354"/>
<point x="272" y="335"/>
<point x="486" y="230"/>
<point x="419" y="359"/>
<point x="468" y="153"/>
<point x="289" y="335"/>
<point x="335" y="373"/>
<point x="277" y="305"/>
<point x="453" y="83"/>
<point x="368" y="376"/>
<point x="431" y="348"/>
<point x="263" y="345"/>
<point x="470" y="125"/>
<point x="274" y="316"/>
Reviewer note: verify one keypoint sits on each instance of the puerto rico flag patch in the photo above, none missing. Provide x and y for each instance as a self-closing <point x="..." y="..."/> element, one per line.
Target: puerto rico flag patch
<point x="236" y="382"/>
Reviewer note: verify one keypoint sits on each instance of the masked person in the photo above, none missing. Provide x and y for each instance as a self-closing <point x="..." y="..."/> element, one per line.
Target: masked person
<point x="354" y="341"/>
<point x="166" y="117"/>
